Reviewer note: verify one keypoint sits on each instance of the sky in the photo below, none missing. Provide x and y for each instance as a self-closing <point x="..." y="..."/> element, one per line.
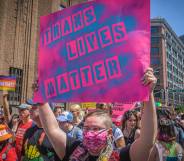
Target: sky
<point x="172" y="11"/>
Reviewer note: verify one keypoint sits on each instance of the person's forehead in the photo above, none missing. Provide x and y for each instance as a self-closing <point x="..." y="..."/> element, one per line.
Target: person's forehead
<point x="22" y="110"/>
<point x="58" y="109"/>
<point x="95" y="121"/>
<point x="33" y="108"/>
<point x="131" y="117"/>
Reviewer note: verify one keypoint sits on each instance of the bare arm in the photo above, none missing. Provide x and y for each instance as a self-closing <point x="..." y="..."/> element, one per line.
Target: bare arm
<point x="137" y="134"/>
<point x="141" y="148"/>
<point x="56" y="136"/>
<point x="154" y="154"/>
<point x="120" y="143"/>
<point x="6" y="107"/>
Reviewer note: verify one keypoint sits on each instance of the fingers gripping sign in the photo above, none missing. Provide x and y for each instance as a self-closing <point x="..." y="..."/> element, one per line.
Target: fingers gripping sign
<point x="149" y="79"/>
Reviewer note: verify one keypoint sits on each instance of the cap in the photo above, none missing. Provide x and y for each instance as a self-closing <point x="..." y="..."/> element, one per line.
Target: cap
<point x="24" y="106"/>
<point x="31" y="102"/>
<point x="65" y="116"/>
<point x="4" y="132"/>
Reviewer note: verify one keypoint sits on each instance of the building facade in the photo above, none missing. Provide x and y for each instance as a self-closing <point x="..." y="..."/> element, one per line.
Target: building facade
<point x="19" y="35"/>
<point x="167" y="59"/>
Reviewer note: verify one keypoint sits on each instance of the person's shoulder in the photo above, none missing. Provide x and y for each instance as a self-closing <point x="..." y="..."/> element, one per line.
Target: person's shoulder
<point x="30" y="131"/>
<point x="179" y="148"/>
<point x="137" y="133"/>
<point x="76" y="130"/>
<point x="117" y="133"/>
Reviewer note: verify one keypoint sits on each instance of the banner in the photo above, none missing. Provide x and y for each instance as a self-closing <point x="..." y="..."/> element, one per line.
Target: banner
<point x="88" y="105"/>
<point x="96" y="51"/>
<point x="119" y="109"/>
<point x="7" y="83"/>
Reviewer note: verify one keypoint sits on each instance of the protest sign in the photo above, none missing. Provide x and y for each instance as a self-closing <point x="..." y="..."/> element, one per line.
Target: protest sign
<point x="95" y="52"/>
<point x="7" y="83"/>
<point x="119" y="109"/>
<point x="88" y="105"/>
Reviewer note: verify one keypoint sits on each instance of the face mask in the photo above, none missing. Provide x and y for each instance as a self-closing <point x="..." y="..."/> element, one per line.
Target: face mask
<point x="95" y="141"/>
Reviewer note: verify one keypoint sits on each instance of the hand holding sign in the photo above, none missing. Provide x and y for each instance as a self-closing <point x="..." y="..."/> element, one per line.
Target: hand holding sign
<point x="149" y="79"/>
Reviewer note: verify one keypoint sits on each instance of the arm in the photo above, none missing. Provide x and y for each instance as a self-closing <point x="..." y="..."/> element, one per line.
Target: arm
<point x="119" y="138"/>
<point x="56" y="136"/>
<point x="154" y="154"/>
<point x="137" y="134"/>
<point x="180" y="151"/>
<point x="120" y="143"/>
<point x="6" y="107"/>
<point x="141" y="148"/>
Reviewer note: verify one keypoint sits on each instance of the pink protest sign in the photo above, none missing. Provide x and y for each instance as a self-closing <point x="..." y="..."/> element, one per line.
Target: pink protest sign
<point x="95" y="52"/>
<point x="119" y="109"/>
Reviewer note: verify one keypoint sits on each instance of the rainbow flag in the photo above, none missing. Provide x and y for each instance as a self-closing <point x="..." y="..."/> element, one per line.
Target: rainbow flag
<point x="7" y="83"/>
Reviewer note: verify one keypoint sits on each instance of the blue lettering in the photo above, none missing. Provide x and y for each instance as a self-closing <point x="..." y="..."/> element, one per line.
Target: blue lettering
<point x="97" y="69"/>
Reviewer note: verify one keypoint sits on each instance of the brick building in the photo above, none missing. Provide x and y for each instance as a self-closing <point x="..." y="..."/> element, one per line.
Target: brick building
<point x="19" y="30"/>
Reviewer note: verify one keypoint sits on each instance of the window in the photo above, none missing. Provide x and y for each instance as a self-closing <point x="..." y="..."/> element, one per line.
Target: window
<point x="155" y="40"/>
<point x="168" y="47"/>
<point x="154" y="50"/>
<point x="15" y="97"/>
<point x="155" y="61"/>
<point x="167" y="35"/>
<point x="154" y="29"/>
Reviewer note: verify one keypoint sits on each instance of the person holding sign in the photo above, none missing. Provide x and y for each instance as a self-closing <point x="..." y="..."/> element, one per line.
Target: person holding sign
<point x="97" y="133"/>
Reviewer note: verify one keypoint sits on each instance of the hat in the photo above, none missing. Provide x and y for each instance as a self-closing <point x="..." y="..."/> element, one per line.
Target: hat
<point x="31" y="102"/>
<point x="4" y="133"/>
<point x="65" y="116"/>
<point x="24" y="106"/>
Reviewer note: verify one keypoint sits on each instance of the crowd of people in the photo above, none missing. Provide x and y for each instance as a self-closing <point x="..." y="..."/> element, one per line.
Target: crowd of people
<point x="41" y="133"/>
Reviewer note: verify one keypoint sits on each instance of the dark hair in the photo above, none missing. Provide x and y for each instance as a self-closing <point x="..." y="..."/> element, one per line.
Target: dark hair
<point x="102" y="114"/>
<point x="166" y="127"/>
<point x="182" y="117"/>
<point x="15" y="116"/>
<point x="163" y="112"/>
<point x="126" y="117"/>
<point x="56" y="108"/>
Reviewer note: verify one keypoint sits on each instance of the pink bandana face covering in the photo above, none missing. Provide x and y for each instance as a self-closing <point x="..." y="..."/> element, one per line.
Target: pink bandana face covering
<point x="95" y="141"/>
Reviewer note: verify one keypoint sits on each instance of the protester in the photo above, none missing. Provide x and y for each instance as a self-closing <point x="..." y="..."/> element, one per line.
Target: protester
<point x="7" y="150"/>
<point x="66" y="124"/>
<point x="2" y="119"/>
<point x="57" y="111"/>
<point x="6" y="108"/>
<point x="24" y="124"/>
<point x="36" y="146"/>
<point x="75" y="109"/>
<point x="168" y="114"/>
<point x="166" y="148"/>
<point x="14" y="122"/>
<point x="179" y="130"/>
<point x="130" y="127"/>
<point x="97" y="133"/>
<point x="118" y="138"/>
